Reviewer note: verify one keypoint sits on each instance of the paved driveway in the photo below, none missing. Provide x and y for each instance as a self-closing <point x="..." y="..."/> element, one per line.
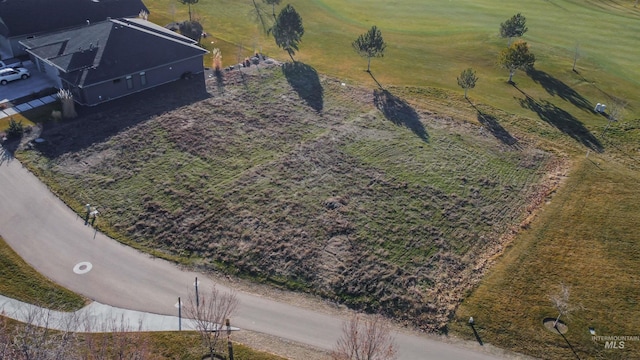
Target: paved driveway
<point x="19" y="88"/>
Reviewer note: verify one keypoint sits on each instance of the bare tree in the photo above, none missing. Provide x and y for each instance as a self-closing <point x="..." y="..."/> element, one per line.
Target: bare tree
<point x="33" y="339"/>
<point x="6" y="349"/>
<point x="615" y="113"/>
<point x="365" y="339"/>
<point x="208" y="315"/>
<point x="576" y="56"/>
<point x="561" y="302"/>
<point x="116" y="339"/>
<point x="616" y="109"/>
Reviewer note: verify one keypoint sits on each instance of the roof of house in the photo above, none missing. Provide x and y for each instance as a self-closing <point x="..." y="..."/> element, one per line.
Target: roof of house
<point x="110" y="49"/>
<point x="28" y="17"/>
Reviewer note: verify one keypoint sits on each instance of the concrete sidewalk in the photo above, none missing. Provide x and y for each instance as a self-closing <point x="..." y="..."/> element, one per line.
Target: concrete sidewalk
<point x="95" y="317"/>
<point x="26" y="106"/>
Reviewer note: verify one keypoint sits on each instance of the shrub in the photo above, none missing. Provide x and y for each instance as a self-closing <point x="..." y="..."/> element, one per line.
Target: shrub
<point x="16" y="129"/>
<point x="192" y="30"/>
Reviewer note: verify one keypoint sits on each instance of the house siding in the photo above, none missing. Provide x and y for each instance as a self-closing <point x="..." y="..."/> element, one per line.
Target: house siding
<point x="50" y="71"/>
<point x="114" y="58"/>
<point x="115" y="88"/>
<point x="5" y="47"/>
<point x="11" y="47"/>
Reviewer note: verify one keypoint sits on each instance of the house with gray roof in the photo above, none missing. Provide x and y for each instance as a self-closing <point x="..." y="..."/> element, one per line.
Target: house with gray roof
<point x="105" y="60"/>
<point x="23" y="19"/>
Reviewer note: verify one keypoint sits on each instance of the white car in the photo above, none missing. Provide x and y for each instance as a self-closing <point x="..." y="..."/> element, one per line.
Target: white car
<point x="10" y="74"/>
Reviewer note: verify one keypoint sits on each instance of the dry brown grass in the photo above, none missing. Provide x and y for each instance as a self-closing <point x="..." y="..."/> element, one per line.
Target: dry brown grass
<point x="292" y="178"/>
<point x="585" y="238"/>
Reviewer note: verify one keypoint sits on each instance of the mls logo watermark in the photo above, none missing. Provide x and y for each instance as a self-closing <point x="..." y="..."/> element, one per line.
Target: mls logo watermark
<point x="614" y="345"/>
<point x="615" y="342"/>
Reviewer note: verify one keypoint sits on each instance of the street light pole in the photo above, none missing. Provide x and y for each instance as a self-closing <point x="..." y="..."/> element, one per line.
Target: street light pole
<point x="229" y="344"/>
<point x="86" y="217"/>
<point x="197" y="297"/>
<point x="179" y="314"/>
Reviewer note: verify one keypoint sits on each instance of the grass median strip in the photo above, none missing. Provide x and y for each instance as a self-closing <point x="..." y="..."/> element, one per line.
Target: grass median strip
<point x="22" y="282"/>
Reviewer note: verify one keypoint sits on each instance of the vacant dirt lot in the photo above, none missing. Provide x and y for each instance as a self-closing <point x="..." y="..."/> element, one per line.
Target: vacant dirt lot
<point x="296" y="179"/>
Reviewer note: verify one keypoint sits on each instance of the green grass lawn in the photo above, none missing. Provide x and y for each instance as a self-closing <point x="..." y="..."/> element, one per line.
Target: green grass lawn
<point x="187" y="346"/>
<point x="586" y="238"/>
<point x="20" y="281"/>
<point x="431" y="42"/>
<point x="254" y="187"/>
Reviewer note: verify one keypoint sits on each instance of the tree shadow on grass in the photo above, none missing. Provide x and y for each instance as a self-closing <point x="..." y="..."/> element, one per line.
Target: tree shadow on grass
<point x="374" y="79"/>
<point x="622" y="151"/>
<point x="305" y="81"/>
<point x="592" y="83"/>
<point x="558" y="88"/>
<point x="493" y="126"/>
<point x="570" y="346"/>
<point x="556" y="5"/>
<point x="561" y="120"/>
<point x="399" y="112"/>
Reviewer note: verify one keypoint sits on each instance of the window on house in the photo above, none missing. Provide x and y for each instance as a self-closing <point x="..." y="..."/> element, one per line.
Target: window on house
<point x="129" y="82"/>
<point x="115" y="81"/>
<point x="143" y="78"/>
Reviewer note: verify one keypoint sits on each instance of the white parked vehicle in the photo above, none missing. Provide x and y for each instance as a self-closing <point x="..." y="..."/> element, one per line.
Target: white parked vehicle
<point x="11" y="74"/>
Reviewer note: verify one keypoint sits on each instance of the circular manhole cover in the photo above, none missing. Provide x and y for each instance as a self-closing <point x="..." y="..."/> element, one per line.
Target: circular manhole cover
<point x="82" y="267"/>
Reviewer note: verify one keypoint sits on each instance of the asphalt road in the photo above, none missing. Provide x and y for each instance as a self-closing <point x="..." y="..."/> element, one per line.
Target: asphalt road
<point x="54" y="240"/>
